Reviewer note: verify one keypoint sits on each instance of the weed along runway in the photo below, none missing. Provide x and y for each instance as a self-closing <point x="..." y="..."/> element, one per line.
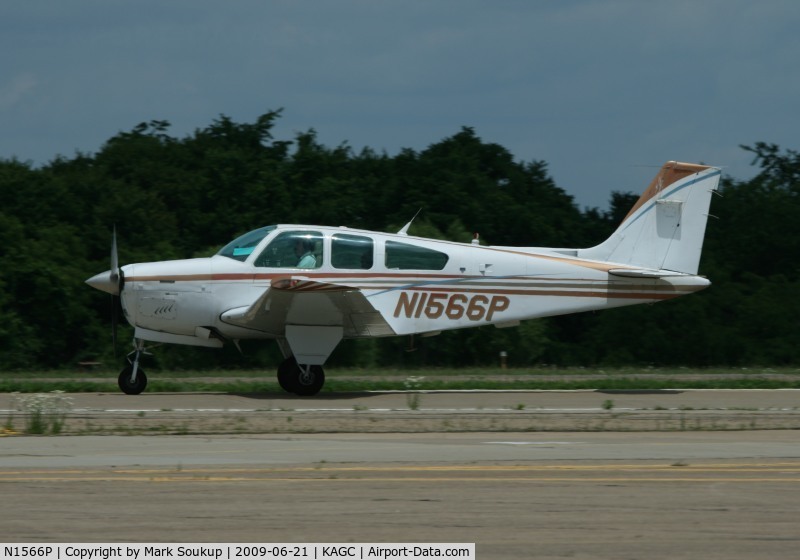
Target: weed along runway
<point x="584" y="492"/>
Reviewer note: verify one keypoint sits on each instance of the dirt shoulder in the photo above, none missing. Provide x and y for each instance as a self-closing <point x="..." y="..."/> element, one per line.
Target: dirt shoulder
<point x="403" y="412"/>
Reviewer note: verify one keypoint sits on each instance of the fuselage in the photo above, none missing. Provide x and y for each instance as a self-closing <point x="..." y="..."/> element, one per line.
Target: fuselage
<point x="416" y="285"/>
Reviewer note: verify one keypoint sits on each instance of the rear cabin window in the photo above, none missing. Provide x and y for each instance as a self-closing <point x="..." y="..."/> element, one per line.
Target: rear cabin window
<point x="404" y="256"/>
<point x="293" y="249"/>
<point x="351" y="251"/>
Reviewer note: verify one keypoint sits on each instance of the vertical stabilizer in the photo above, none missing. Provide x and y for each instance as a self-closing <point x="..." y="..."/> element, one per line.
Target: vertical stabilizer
<point x="665" y="228"/>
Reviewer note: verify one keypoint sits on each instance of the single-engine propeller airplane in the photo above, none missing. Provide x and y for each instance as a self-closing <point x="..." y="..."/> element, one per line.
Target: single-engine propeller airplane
<point x="309" y="287"/>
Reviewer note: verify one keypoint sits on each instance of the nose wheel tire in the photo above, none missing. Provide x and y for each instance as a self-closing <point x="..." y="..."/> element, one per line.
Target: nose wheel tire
<point x="304" y="381"/>
<point x="132" y="387"/>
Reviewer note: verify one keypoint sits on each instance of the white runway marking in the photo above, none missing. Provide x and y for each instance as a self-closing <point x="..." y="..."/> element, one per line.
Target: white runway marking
<point x="534" y="442"/>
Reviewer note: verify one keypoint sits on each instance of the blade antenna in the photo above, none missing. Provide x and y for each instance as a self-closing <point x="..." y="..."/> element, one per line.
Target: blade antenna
<point x="404" y="229"/>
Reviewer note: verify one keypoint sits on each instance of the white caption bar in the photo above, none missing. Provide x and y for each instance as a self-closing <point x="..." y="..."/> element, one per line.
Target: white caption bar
<point x="234" y="551"/>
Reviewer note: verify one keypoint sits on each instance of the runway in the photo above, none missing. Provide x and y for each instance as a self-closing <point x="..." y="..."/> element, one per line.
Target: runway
<point x="578" y="494"/>
<point x="521" y="495"/>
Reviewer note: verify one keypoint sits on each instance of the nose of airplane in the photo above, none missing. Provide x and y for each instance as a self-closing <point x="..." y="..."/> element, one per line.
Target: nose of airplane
<point x="106" y="282"/>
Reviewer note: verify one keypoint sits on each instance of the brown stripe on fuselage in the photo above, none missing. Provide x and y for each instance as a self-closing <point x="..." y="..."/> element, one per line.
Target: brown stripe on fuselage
<point x="239" y="276"/>
<point x="311" y="281"/>
<point x="583" y="287"/>
<point x="604" y="267"/>
<point x="557" y="293"/>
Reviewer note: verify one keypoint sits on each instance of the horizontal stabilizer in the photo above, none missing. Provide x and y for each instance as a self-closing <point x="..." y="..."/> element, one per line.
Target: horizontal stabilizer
<point x="643" y="273"/>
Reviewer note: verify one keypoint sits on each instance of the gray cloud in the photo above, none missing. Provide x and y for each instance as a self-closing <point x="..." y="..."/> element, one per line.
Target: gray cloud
<point x="600" y="90"/>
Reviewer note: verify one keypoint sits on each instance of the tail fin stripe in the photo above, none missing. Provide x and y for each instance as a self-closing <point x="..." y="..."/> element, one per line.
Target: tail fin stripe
<point x="650" y="204"/>
<point x="675" y="211"/>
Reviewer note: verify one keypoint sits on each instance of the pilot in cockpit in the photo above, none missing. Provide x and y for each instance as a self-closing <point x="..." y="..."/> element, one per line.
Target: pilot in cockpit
<point x="304" y="249"/>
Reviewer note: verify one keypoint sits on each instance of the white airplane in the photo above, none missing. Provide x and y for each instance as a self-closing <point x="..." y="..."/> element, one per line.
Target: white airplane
<point x="309" y="287"/>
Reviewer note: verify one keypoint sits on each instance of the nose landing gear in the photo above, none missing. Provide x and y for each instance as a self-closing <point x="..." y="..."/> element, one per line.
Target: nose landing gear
<point x="132" y="379"/>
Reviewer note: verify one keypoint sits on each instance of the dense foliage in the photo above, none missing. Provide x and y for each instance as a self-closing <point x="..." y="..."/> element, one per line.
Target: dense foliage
<point x="183" y="197"/>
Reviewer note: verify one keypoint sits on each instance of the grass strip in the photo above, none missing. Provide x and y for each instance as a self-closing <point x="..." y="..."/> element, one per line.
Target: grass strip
<point x="394" y="380"/>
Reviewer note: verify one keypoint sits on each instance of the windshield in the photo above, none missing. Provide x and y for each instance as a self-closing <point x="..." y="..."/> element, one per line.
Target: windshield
<point x="241" y="247"/>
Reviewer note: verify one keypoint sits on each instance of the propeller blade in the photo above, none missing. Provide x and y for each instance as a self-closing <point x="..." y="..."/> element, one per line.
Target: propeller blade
<point x="114" y="322"/>
<point x="115" y="299"/>
<point x="114" y="257"/>
<point x="111" y="280"/>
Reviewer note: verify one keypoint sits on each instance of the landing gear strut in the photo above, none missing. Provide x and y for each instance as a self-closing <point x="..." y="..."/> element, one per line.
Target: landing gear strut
<point x="303" y="380"/>
<point x="132" y="379"/>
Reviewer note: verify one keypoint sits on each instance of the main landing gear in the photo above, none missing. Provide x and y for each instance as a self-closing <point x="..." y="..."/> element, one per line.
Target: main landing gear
<point x="305" y="349"/>
<point x="132" y="379"/>
<point x="302" y="380"/>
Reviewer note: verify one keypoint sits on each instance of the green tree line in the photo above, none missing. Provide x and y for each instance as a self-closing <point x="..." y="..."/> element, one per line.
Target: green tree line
<point x="185" y="197"/>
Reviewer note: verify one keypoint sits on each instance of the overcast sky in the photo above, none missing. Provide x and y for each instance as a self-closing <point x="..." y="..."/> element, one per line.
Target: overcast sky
<point x="603" y="91"/>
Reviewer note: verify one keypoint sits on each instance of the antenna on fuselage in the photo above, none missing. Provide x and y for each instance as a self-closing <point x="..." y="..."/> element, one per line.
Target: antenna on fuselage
<point x="404" y="229"/>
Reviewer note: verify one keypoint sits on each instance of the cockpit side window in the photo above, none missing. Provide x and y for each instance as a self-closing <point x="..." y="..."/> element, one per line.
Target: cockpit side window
<point x="351" y="251"/>
<point x="241" y="247"/>
<point x="293" y="249"/>
<point x="404" y="256"/>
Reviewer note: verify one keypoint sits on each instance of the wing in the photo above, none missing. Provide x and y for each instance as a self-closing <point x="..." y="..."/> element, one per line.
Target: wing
<point x="300" y="301"/>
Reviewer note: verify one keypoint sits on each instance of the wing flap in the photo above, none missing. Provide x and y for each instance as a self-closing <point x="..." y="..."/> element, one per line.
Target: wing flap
<point x="300" y="301"/>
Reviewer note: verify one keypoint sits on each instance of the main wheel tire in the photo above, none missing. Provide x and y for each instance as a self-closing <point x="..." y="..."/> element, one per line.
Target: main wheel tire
<point x="310" y="382"/>
<point x="124" y="381"/>
<point x="293" y="379"/>
<point x="287" y="374"/>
